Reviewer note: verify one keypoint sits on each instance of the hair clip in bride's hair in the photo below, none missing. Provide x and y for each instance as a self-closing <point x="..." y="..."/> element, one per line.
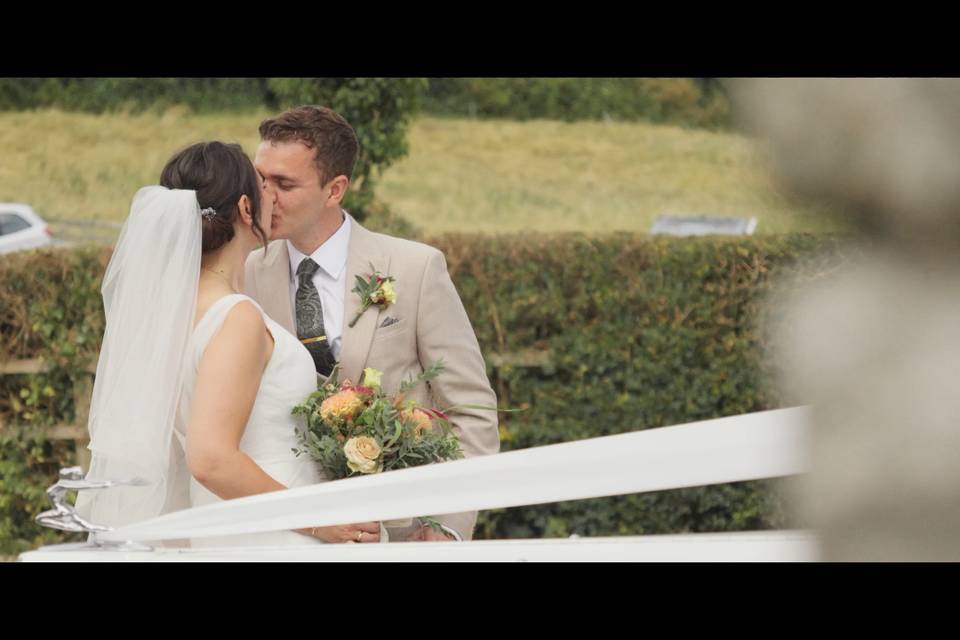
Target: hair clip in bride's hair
<point x="208" y="213"/>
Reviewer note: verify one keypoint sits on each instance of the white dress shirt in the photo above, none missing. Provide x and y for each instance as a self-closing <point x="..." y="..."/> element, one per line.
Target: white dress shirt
<point x="329" y="280"/>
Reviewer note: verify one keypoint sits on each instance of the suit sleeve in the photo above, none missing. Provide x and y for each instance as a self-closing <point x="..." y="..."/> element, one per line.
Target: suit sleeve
<point x="444" y="331"/>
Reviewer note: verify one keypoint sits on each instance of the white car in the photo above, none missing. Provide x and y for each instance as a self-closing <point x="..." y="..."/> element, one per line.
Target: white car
<point x="21" y="228"/>
<point x="765" y="444"/>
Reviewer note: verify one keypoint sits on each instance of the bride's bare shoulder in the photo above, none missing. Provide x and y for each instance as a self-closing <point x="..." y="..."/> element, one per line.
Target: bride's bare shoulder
<point x="243" y="335"/>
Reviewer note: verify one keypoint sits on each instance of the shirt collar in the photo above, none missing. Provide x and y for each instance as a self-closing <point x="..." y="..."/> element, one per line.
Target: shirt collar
<point x="331" y="255"/>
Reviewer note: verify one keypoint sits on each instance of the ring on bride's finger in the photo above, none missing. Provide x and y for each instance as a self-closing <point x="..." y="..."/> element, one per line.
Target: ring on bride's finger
<point x="359" y="536"/>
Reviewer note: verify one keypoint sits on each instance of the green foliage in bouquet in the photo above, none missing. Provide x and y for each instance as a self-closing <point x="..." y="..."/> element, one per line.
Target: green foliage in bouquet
<point x="357" y="429"/>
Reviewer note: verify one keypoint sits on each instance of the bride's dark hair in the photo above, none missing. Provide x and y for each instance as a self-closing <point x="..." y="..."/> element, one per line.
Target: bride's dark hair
<point x="220" y="173"/>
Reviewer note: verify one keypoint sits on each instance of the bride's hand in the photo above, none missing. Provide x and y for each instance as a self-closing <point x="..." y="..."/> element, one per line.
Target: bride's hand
<point x="346" y="533"/>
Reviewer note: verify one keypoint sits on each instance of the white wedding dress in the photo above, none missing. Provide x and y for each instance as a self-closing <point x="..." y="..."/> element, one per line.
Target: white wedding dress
<point x="271" y="431"/>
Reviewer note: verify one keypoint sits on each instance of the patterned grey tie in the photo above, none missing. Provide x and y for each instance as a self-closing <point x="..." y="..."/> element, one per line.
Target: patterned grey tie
<point x="310" y="329"/>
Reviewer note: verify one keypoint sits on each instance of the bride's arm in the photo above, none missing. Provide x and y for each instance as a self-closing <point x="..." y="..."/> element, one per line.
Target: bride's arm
<point x="227" y="383"/>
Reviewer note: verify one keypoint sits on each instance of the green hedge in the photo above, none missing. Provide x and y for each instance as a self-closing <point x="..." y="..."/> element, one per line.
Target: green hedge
<point x="50" y="308"/>
<point x="640" y="332"/>
<point x="697" y="102"/>
<point x="98" y="95"/>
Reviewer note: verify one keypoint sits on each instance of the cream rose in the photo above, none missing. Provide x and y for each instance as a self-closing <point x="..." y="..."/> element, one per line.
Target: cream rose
<point x="363" y="454"/>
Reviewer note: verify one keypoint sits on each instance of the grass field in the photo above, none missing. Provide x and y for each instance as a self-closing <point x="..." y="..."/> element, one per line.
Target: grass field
<point x="461" y="175"/>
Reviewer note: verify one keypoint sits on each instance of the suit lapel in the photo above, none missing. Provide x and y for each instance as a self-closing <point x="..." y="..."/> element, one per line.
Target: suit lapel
<point x="273" y="285"/>
<point x="363" y="256"/>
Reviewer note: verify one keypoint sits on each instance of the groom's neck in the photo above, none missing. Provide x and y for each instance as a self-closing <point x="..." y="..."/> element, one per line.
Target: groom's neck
<point x="319" y="233"/>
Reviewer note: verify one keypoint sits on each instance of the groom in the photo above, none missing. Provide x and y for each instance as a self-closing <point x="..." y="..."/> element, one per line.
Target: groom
<point x="304" y="282"/>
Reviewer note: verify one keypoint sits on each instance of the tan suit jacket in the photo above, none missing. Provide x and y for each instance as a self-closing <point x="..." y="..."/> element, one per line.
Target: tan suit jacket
<point x="433" y="324"/>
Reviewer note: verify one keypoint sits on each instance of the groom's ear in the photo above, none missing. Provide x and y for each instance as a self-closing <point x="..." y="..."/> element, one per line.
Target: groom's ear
<point x="338" y="189"/>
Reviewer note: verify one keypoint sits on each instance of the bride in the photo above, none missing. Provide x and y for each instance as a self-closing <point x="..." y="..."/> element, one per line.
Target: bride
<point x="195" y="382"/>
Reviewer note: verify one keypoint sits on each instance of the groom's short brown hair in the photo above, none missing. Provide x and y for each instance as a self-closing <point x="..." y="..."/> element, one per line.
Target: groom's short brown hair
<point x="333" y="140"/>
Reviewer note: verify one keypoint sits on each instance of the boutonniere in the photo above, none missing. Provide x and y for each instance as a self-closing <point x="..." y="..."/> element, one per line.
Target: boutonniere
<point x="375" y="290"/>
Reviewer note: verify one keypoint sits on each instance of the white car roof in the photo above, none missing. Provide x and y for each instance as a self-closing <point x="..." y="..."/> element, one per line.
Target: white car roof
<point x="24" y="210"/>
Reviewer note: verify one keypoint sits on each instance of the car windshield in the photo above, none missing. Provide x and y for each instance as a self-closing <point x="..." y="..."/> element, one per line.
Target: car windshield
<point x="11" y="223"/>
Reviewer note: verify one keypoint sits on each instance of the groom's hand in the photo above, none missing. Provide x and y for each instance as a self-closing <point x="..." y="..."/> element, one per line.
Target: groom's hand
<point x="427" y="534"/>
<point x="347" y="533"/>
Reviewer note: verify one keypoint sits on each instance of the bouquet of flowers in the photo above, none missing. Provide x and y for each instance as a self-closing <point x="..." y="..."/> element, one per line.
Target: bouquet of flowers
<point x="357" y="429"/>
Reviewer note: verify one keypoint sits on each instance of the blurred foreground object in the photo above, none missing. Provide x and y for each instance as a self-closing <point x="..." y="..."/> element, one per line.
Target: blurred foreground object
<point x="875" y="348"/>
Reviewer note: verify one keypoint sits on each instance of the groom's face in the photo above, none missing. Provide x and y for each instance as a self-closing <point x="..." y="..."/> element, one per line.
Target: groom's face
<point x="291" y="176"/>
